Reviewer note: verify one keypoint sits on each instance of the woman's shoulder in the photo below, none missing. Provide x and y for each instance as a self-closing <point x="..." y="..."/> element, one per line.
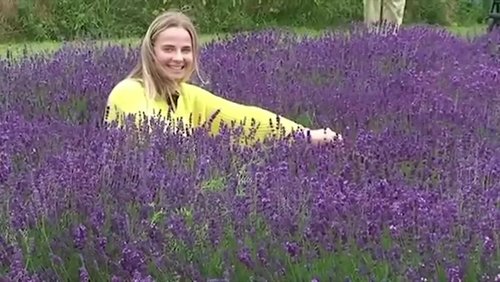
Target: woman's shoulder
<point x="126" y="89"/>
<point x="195" y="90"/>
<point x="127" y="85"/>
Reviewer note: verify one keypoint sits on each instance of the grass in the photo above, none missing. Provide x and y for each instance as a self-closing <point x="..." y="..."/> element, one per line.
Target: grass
<point x="17" y="49"/>
<point x="50" y="46"/>
<point x="468" y="30"/>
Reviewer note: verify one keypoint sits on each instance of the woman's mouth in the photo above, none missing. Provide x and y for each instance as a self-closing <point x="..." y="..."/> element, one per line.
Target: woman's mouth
<point x="176" y="67"/>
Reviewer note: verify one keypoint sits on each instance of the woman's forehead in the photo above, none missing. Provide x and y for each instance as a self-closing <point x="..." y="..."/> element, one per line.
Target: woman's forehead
<point x="174" y="35"/>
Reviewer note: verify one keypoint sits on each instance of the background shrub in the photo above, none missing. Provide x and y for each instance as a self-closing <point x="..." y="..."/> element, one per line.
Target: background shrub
<point x="69" y="19"/>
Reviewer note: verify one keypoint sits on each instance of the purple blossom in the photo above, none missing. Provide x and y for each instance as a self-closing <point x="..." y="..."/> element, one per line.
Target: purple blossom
<point x="292" y="249"/>
<point x="132" y="260"/>
<point x="84" y="275"/>
<point x="245" y="257"/>
<point x="80" y="236"/>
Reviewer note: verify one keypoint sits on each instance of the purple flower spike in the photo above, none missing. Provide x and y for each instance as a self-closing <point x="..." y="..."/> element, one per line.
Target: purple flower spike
<point x="80" y="236"/>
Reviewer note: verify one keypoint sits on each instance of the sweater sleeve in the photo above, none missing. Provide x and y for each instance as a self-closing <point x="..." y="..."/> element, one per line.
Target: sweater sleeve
<point x="122" y="101"/>
<point x="113" y="111"/>
<point x="258" y="121"/>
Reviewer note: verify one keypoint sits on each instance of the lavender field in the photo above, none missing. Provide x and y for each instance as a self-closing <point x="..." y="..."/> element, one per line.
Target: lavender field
<point x="413" y="194"/>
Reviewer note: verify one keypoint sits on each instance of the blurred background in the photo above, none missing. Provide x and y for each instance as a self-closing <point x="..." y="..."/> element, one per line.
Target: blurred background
<point x="42" y="20"/>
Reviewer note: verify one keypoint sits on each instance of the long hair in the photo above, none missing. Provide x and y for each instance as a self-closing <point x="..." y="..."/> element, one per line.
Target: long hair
<point x="156" y="85"/>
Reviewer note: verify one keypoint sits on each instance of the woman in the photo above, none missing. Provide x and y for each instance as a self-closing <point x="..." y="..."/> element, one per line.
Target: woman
<point x="158" y="87"/>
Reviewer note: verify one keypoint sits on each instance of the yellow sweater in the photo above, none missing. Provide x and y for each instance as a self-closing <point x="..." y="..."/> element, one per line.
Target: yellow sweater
<point x="128" y="97"/>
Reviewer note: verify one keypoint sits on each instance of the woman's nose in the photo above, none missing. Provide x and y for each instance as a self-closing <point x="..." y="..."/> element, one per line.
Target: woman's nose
<point x="178" y="55"/>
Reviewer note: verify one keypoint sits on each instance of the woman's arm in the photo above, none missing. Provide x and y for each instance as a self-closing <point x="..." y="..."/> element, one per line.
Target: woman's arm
<point x="112" y="112"/>
<point x="264" y="123"/>
<point x="123" y="100"/>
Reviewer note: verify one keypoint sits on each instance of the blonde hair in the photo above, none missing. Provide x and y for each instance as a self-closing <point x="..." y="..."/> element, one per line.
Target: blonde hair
<point x="155" y="85"/>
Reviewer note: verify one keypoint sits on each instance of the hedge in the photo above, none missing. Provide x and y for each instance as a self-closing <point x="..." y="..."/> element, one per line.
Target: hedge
<point x="70" y="19"/>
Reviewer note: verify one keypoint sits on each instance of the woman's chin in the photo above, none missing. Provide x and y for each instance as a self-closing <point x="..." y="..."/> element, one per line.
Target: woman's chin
<point x="174" y="76"/>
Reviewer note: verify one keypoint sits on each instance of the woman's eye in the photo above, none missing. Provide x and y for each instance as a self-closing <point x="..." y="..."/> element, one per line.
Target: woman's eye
<point x="170" y="49"/>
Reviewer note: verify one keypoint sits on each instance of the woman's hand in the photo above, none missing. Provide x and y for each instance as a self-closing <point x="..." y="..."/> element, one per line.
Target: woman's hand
<point x="322" y="136"/>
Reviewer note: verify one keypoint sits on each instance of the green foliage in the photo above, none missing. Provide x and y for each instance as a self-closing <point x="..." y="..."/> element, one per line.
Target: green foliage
<point x="449" y="12"/>
<point x="73" y="19"/>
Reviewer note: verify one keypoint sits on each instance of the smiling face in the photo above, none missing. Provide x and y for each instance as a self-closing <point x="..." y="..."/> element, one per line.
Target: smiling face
<point x="168" y="54"/>
<point x="173" y="53"/>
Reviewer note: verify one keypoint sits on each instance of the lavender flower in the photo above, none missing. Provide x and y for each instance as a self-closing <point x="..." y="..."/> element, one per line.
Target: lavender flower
<point x="80" y="236"/>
